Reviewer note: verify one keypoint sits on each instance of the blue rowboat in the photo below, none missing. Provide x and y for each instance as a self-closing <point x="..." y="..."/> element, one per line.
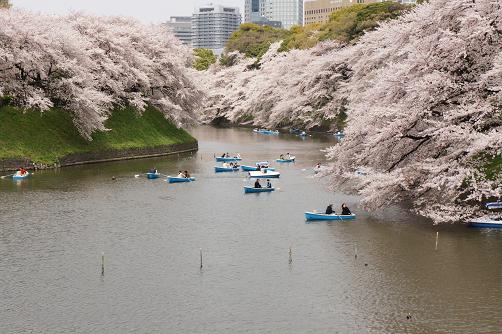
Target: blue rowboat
<point x="172" y="179"/>
<point x="250" y="190"/>
<point x="267" y="175"/>
<point x="292" y="159"/>
<point x="229" y="159"/>
<point x="486" y="222"/>
<point x="152" y="176"/>
<point x="339" y="134"/>
<point x="225" y="169"/>
<point x="18" y="176"/>
<point x="266" y="132"/>
<point x="323" y="216"/>
<point x="255" y="168"/>
<point x="494" y="205"/>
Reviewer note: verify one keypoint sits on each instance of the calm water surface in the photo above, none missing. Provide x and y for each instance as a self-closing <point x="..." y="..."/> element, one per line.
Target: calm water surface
<point x="54" y="226"/>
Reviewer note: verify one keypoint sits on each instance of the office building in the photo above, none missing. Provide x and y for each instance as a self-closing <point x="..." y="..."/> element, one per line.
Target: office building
<point x="212" y="26"/>
<point x="319" y="11"/>
<point x="253" y="10"/>
<point x="288" y="12"/>
<point x="181" y="26"/>
<point x="271" y="12"/>
<point x="254" y="13"/>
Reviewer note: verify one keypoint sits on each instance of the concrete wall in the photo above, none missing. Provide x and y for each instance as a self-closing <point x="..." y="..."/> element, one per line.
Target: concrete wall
<point x="96" y="157"/>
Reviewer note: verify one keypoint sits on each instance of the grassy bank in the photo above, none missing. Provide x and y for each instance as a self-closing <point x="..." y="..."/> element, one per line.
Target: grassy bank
<point x="46" y="137"/>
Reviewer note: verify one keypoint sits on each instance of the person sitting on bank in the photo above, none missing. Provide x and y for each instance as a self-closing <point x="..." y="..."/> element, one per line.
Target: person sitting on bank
<point x="187" y="175"/>
<point x="345" y="210"/>
<point x="269" y="185"/>
<point x="329" y="210"/>
<point x="257" y="184"/>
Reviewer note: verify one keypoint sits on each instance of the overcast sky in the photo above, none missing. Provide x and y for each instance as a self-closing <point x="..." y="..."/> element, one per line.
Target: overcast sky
<point x="144" y="10"/>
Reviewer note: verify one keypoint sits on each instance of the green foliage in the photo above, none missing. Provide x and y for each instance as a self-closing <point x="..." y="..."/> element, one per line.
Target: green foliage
<point x="203" y="59"/>
<point x="350" y="23"/>
<point x="45" y="137"/>
<point x="228" y="59"/>
<point x="491" y="166"/>
<point x="345" y="25"/>
<point x="254" y="40"/>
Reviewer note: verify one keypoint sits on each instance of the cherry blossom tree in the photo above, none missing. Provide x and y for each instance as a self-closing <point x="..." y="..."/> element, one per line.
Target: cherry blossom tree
<point x="423" y="95"/>
<point x="90" y="65"/>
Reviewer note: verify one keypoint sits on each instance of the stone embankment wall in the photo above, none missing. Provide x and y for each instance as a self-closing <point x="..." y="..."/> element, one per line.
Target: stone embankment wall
<point x="104" y="156"/>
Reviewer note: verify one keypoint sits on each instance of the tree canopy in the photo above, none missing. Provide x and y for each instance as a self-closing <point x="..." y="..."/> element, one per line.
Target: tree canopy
<point x="345" y="25"/>
<point x="203" y="58"/>
<point x="88" y="65"/>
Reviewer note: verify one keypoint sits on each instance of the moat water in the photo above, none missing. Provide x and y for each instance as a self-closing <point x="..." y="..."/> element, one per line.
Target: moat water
<point x="55" y="225"/>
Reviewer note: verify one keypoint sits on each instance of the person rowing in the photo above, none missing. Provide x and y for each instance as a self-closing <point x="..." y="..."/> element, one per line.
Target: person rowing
<point x="181" y="174"/>
<point x="269" y="185"/>
<point x="345" y="210"/>
<point x="281" y="157"/>
<point x="187" y="175"/>
<point x="257" y="184"/>
<point x="153" y="171"/>
<point x="329" y="210"/>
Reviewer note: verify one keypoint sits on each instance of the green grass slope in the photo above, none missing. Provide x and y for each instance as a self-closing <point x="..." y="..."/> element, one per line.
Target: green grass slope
<point x="45" y="137"/>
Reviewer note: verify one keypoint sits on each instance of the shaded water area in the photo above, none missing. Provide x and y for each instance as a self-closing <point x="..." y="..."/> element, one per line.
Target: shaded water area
<point x="54" y="226"/>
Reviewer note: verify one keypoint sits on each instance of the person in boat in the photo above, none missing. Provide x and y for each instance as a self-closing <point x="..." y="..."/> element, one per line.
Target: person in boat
<point x="318" y="166"/>
<point x="223" y="155"/>
<point x="288" y="156"/>
<point x="227" y="155"/>
<point x="180" y="174"/>
<point x="187" y="175"/>
<point x="257" y="184"/>
<point x="225" y="165"/>
<point x="258" y="168"/>
<point x="22" y="171"/>
<point x="329" y="210"/>
<point x="269" y="185"/>
<point x="238" y="156"/>
<point x="345" y="210"/>
<point x="281" y="157"/>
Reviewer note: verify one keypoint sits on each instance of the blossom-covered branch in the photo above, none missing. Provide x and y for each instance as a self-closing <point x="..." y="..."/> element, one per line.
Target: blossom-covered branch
<point x="89" y="65"/>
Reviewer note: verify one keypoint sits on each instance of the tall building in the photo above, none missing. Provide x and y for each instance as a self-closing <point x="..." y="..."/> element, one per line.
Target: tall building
<point x="212" y="25"/>
<point x="252" y="10"/>
<point x="288" y="12"/>
<point x="182" y="28"/>
<point x="254" y="13"/>
<point x="271" y="12"/>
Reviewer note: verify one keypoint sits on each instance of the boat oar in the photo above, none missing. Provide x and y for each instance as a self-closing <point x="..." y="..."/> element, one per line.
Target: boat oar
<point x="3" y="177"/>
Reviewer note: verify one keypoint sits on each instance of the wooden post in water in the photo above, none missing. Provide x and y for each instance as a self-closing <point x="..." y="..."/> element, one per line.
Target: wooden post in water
<point x="437" y="239"/>
<point x="290" y="255"/>
<point x="200" y="258"/>
<point x="355" y="251"/>
<point x="102" y="263"/>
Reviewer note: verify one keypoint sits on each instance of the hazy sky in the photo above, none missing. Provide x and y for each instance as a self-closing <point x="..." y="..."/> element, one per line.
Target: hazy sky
<point x="144" y="10"/>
